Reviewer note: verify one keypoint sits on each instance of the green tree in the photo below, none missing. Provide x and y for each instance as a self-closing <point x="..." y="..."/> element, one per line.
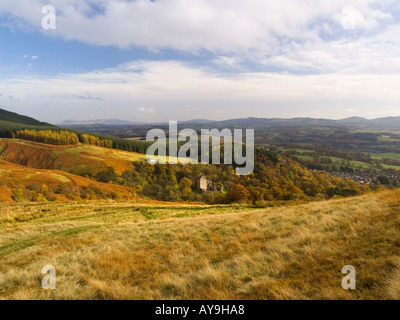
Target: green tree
<point x="185" y="187"/>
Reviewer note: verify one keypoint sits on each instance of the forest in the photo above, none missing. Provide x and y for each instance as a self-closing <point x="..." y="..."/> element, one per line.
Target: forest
<point x="275" y="178"/>
<point x="47" y="136"/>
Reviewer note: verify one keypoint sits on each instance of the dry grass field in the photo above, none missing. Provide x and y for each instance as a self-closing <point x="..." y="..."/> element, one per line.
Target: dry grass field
<point x="111" y="250"/>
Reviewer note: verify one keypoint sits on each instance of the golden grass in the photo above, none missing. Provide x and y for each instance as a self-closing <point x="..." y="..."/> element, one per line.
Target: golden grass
<point x="129" y="251"/>
<point x="74" y="159"/>
<point x="13" y="175"/>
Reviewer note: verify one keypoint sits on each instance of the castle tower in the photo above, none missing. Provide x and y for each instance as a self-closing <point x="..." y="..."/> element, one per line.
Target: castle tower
<point x="202" y="183"/>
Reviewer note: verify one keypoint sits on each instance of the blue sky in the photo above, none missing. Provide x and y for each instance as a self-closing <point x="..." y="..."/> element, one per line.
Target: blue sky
<point x="60" y="56"/>
<point x="181" y="59"/>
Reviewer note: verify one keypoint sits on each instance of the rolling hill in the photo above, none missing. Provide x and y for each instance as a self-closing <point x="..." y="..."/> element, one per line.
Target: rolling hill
<point x="31" y="171"/>
<point x="18" y="182"/>
<point x="20" y="119"/>
<point x="386" y="123"/>
<point x="81" y="159"/>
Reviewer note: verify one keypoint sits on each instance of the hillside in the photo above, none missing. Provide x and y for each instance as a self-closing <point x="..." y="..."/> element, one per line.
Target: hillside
<point x="81" y="159"/>
<point x="124" y="251"/>
<point x="274" y="178"/>
<point x="20" y="119"/>
<point x="21" y="183"/>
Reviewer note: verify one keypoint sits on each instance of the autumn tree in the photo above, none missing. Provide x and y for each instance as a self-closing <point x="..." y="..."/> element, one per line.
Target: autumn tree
<point x="238" y="194"/>
<point x="185" y="187"/>
<point x="47" y="136"/>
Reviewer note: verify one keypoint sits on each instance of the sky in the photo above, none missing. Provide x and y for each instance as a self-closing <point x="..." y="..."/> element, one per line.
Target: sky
<point x="162" y="60"/>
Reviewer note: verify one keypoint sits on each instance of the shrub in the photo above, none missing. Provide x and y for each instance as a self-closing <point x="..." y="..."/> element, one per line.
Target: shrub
<point x="116" y="195"/>
<point x="38" y="197"/>
<point x="19" y="195"/>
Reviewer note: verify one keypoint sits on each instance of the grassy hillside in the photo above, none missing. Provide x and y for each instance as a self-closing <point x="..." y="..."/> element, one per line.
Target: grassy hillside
<point x="11" y="125"/>
<point x="8" y="116"/>
<point x="127" y="251"/>
<point x="53" y="184"/>
<point x="81" y="160"/>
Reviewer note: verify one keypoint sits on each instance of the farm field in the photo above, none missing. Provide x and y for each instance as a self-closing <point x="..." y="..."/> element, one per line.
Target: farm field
<point x="123" y="250"/>
<point x="306" y="155"/>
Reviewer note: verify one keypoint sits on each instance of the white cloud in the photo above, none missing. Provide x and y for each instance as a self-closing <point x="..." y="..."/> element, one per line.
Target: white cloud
<point x="171" y="90"/>
<point x="191" y="25"/>
<point x="370" y="54"/>
<point x="146" y="110"/>
<point x="351" y="18"/>
<point x="30" y="57"/>
<point x="331" y="57"/>
<point x="310" y="36"/>
<point x="228" y="62"/>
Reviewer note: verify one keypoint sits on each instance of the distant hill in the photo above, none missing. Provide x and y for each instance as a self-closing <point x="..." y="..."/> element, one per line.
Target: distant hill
<point x="354" y="120"/>
<point x="113" y="126"/>
<point x="13" y="117"/>
<point x="385" y="123"/>
<point x="276" y="122"/>
<point x="98" y="121"/>
<point x="381" y="124"/>
<point x="251" y="122"/>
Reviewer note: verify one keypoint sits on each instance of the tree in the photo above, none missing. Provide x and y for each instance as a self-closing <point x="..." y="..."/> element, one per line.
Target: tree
<point x="107" y="176"/>
<point x="19" y="195"/>
<point x="238" y="194"/>
<point x="185" y="187"/>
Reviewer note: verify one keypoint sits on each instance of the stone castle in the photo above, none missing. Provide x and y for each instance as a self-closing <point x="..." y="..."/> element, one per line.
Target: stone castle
<point x="206" y="185"/>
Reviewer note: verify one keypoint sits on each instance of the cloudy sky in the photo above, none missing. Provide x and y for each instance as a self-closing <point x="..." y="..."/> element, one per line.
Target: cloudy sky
<point x="163" y="60"/>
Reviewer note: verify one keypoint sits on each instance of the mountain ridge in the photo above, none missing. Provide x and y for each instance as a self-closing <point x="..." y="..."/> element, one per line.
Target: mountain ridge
<point x="383" y="123"/>
<point x="391" y="121"/>
<point x="22" y="119"/>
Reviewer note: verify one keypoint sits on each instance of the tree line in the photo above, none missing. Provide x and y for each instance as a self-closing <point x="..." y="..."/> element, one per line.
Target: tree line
<point x="47" y="136"/>
<point x="10" y="129"/>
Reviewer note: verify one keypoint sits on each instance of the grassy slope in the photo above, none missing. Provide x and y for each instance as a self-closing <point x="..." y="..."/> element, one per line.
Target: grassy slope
<point x="81" y="159"/>
<point x="9" y="116"/>
<point x="125" y="251"/>
<point x="13" y="175"/>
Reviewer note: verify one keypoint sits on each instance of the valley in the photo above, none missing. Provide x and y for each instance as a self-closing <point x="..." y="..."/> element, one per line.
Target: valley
<point x="116" y="227"/>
